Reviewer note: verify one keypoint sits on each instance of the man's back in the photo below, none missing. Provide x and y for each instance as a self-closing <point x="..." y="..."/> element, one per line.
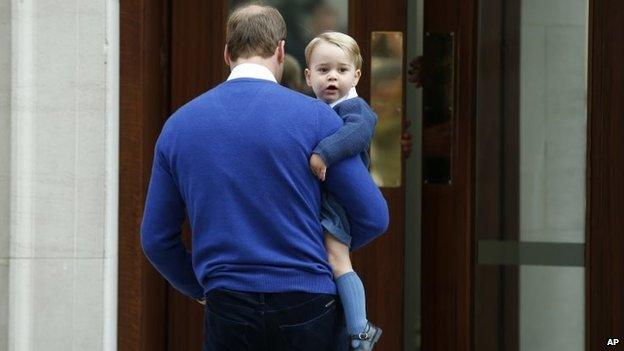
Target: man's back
<point x="236" y="157"/>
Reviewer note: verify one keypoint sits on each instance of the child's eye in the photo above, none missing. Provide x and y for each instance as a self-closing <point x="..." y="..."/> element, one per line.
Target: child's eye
<point x="323" y="70"/>
<point x="343" y="70"/>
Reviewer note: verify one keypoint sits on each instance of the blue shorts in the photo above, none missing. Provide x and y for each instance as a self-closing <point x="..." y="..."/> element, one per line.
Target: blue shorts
<point x="334" y="218"/>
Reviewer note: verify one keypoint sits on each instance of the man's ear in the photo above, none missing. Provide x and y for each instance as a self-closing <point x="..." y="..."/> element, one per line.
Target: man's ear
<point x="306" y="73"/>
<point x="280" y="51"/>
<point x="226" y="56"/>
<point x="358" y="74"/>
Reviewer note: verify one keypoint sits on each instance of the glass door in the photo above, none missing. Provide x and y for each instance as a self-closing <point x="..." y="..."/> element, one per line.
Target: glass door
<point x="530" y="189"/>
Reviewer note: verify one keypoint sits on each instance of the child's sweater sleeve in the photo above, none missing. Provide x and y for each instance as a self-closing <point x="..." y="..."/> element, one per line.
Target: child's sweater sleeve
<point x="354" y="137"/>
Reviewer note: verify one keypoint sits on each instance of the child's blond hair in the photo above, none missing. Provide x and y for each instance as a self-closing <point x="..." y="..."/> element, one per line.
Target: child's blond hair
<point x="343" y="41"/>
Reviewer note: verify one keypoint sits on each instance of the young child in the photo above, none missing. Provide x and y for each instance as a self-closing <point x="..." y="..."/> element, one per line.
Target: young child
<point x="334" y="68"/>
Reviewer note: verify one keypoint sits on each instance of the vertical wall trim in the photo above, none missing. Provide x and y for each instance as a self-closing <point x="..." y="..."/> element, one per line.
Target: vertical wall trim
<point x="112" y="176"/>
<point x="23" y="97"/>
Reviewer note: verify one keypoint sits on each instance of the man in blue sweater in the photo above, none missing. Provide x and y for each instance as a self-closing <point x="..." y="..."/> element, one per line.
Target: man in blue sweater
<point x="235" y="160"/>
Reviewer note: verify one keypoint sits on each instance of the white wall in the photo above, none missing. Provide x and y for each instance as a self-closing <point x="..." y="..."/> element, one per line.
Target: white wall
<point x="60" y="155"/>
<point x="553" y="126"/>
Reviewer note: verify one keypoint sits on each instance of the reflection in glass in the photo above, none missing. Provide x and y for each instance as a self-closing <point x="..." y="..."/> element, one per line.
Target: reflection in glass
<point x="437" y="170"/>
<point x="305" y="19"/>
<point x="387" y="102"/>
<point x="438" y="78"/>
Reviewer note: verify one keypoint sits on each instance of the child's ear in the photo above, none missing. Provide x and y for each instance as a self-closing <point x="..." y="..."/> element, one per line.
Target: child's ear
<point x="358" y="74"/>
<point x="306" y="73"/>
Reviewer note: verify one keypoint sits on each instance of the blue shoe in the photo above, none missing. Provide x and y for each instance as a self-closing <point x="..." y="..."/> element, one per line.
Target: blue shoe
<point x="367" y="339"/>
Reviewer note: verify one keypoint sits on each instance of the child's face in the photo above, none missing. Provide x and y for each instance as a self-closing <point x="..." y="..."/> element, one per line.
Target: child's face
<point x="331" y="73"/>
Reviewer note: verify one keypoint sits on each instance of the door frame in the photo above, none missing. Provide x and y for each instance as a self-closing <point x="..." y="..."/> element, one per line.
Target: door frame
<point x="143" y="108"/>
<point x="146" y="305"/>
<point x="605" y="175"/>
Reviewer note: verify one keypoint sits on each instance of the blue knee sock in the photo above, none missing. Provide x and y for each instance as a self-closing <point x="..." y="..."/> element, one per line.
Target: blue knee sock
<point x="351" y="293"/>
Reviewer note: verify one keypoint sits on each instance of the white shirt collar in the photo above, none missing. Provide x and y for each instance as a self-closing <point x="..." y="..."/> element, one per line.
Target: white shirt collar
<point x="251" y="70"/>
<point x="351" y="94"/>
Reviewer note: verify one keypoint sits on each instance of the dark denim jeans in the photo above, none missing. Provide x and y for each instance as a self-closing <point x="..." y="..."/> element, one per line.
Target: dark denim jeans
<point x="242" y="321"/>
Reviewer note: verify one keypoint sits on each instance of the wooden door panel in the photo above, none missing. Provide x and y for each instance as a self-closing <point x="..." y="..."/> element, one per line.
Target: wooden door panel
<point x="447" y="210"/>
<point x="197" y="41"/>
<point x="196" y="65"/>
<point x="381" y="264"/>
<point x="143" y="108"/>
<point x="605" y="175"/>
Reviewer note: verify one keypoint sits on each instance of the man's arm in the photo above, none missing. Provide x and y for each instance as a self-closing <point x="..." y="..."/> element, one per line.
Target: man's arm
<point x="353" y="137"/>
<point x="162" y="228"/>
<point x="349" y="181"/>
<point x="353" y="187"/>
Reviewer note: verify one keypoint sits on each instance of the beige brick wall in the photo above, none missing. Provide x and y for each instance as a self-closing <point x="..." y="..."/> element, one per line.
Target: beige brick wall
<point x="58" y="174"/>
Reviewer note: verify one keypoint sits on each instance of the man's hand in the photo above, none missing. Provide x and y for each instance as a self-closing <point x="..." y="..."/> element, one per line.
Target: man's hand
<point x="318" y="167"/>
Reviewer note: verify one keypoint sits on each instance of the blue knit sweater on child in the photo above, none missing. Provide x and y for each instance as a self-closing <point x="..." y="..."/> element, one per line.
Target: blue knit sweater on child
<point x="354" y="137"/>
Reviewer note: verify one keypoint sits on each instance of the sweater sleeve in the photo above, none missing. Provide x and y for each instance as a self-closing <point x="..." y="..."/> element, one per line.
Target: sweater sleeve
<point x="161" y="230"/>
<point x="354" y="137"/>
<point x="349" y="181"/>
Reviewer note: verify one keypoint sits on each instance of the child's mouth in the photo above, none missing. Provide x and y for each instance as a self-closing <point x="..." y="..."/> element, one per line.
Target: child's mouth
<point x="331" y="88"/>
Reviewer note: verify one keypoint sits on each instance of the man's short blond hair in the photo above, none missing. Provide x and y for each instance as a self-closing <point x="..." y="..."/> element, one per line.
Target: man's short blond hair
<point x="341" y="40"/>
<point x="254" y="30"/>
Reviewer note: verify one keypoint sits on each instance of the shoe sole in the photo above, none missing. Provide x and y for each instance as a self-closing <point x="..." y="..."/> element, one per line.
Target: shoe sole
<point x="377" y="336"/>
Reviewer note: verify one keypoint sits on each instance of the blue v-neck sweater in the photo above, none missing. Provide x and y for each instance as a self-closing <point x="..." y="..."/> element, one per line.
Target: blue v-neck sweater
<point x="235" y="160"/>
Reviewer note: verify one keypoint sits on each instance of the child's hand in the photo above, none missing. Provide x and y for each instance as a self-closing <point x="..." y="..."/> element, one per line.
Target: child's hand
<point x="318" y="167"/>
<point x="406" y="139"/>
